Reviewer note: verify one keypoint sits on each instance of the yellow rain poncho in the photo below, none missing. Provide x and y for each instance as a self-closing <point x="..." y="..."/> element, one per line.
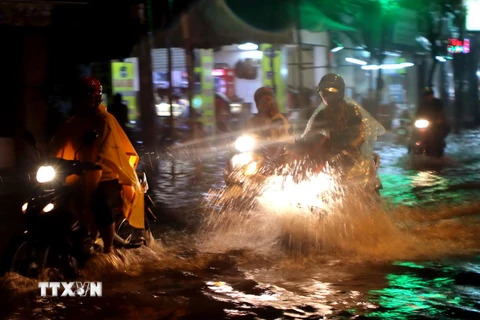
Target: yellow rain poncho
<point x="112" y="149"/>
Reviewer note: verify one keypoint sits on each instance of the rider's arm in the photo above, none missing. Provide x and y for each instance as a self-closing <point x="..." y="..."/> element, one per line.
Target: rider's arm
<point x="357" y="132"/>
<point x="280" y="128"/>
<point x="95" y="154"/>
<point x="313" y="140"/>
<point x="354" y="138"/>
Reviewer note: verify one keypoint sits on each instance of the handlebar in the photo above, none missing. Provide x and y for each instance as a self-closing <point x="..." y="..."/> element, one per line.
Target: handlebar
<point x="75" y="164"/>
<point x="90" y="166"/>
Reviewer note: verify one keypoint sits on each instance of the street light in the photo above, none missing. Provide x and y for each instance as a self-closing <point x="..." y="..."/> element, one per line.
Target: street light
<point x="248" y="46"/>
<point x="336" y="46"/>
<point x="356" y="61"/>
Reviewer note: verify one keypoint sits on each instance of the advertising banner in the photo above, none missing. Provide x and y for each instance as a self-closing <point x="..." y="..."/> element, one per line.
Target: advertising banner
<point x="123" y="82"/>
<point x="207" y="100"/>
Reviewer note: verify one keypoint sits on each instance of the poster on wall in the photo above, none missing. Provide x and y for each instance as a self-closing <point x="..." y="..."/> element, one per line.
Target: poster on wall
<point x="123" y="82"/>
<point x="273" y="78"/>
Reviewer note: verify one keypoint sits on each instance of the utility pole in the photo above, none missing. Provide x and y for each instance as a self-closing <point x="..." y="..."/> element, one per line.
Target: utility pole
<point x="190" y="70"/>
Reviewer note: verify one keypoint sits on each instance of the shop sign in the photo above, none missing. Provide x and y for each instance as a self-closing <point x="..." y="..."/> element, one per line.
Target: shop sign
<point x="270" y="52"/>
<point x="123" y="81"/>
<point x="458" y="46"/>
<point x="123" y="76"/>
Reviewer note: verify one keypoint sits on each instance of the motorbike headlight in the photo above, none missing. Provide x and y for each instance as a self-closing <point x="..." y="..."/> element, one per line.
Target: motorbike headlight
<point x="49" y="207"/>
<point x="421" y="124"/>
<point x="251" y="169"/>
<point x="241" y="160"/>
<point x="45" y="174"/>
<point x="25" y="207"/>
<point x="245" y="143"/>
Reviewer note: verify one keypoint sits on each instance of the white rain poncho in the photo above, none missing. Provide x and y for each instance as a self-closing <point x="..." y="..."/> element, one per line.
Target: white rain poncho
<point x="372" y="129"/>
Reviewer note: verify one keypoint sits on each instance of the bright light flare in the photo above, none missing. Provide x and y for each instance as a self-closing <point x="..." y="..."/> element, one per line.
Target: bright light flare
<point x="240" y="160"/>
<point x="45" y="174"/>
<point x="283" y="192"/>
<point x="245" y="143"/>
<point x="248" y="46"/>
<point x="421" y="124"/>
<point x="49" y="207"/>
<point x="251" y="169"/>
<point x="356" y="61"/>
<point x="25" y="207"/>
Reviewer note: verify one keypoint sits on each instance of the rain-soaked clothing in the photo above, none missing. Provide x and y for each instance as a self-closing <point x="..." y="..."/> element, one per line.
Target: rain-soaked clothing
<point x="113" y="151"/>
<point x="349" y="128"/>
<point x="276" y="128"/>
<point x="280" y="128"/>
<point x="259" y="125"/>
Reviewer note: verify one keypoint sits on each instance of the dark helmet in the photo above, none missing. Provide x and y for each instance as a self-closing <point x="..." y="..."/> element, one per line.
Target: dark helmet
<point x="261" y="92"/>
<point x="332" y="88"/>
<point x="428" y="91"/>
<point x="88" y="87"/>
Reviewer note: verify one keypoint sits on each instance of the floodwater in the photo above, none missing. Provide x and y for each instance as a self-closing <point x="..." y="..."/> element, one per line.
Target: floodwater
<point x="413" y="255"/>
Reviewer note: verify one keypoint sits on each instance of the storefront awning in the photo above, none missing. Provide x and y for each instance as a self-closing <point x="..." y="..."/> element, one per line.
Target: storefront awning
<point x="215" y="23"/>
<point x="274" y="15"/>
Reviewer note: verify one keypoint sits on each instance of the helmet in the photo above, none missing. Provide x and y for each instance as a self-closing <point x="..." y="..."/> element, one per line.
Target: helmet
<point x="331" y="88"/>
<point x="428" y="91"/>
<point x="261" y="92"/>
<point x="88" y="87"/>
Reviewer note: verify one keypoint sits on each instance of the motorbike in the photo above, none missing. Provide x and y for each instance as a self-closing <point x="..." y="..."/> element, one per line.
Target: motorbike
<point x="253" y="162"/>
<point x="425" y="141"/>
<point x="403" y="131"/>
<point x="54" y="237"/>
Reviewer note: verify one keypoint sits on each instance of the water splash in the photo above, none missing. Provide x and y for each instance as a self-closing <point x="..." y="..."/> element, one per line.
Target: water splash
<point x="360" y="227"/>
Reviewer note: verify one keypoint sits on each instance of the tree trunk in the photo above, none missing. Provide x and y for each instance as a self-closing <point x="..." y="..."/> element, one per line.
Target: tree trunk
<point x="190" y="70"/>
<point x="147" y="114"/>
<point x="459" y="74"/>
<point x="432" y="71"/>
<point x="473" y="81"/>
<point x="380" y="86"/>
<point x="172" y="132"/>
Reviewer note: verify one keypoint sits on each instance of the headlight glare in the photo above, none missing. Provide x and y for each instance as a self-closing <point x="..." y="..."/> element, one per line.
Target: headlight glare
<point x="245" y="143"/>
<point x="421" y="124"/>
<point x="45" y="174"/>
<point x="49" y="207"/>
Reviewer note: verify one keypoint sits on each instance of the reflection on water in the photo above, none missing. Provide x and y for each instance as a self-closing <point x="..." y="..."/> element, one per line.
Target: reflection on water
<point x="366" y="259"/>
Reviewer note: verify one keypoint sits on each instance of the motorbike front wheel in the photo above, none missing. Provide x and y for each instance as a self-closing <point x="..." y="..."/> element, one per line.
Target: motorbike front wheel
<point x="34" y="261"/>
<point x="130" y="235"/>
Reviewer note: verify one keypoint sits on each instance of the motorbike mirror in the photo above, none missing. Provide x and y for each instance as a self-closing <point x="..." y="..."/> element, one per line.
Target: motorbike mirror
<point x="30" y="138"/>
<point x="222" y="126"/>
<point x="89" y="137"/>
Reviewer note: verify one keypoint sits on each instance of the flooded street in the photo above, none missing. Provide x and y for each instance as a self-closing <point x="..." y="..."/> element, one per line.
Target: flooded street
<point x="415" y="255"/>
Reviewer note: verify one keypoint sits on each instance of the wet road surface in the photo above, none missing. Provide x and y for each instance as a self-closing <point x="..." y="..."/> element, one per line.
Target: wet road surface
<point x="413" y="256"/>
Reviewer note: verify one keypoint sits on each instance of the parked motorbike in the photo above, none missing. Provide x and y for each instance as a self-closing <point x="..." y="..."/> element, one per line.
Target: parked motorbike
<point x="425" y="140"/>
<point x="54" y="237"/>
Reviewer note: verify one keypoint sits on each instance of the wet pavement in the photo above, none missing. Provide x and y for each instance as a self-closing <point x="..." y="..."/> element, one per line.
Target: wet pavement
<point x="415" y="255"/>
